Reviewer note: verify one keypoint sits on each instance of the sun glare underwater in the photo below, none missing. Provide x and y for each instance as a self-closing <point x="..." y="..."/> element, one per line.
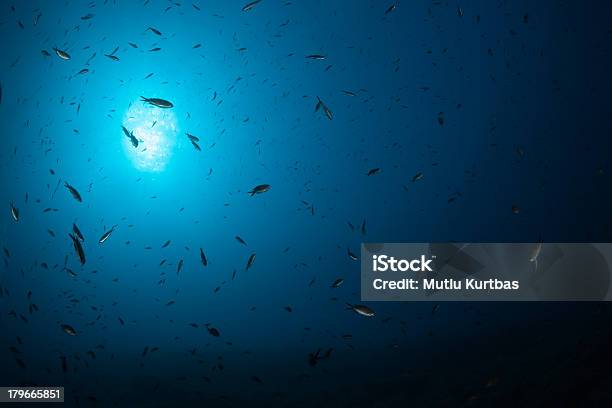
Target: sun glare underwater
<point x="157" y="130"/>
<point x="187" y="185"/>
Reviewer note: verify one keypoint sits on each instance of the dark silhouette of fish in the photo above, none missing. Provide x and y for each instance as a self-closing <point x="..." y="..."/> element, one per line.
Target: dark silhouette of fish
<point x="68" y="329"/>
<point x="74" y="192"/>
<point x="313" y="358"/>
<point x="203" y="258"/>
<point x="351" y="255"/>
<point x="192" y="137"/>
<point x="250" y="261"/>
<point x="61" y="53"/>
<point x="361" y="309"/>
<point x="154" y="30"/>
<point x="106" y="235"/>
<point x="130" y="135"/>
<point x="262" y="188"/>
<point x="160" y="103"/>
<point x="15" y="213"/>
<point x="213" y="332"/>
<point x="77" y="232"/>
<point x="250" y="5"/>
<point x="326" y="110"/>
<point x="337" y="283"/>
<point x="78" y="248"/>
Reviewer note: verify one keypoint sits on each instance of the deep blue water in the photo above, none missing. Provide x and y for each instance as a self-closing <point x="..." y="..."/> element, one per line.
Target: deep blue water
<point x="496" y="104"/>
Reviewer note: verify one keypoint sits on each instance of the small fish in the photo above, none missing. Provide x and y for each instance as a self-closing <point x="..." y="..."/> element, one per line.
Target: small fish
<point x="351" y="255"/>
<point x="160" y="103"/>
<point x="337" y="283"/>
<point x="166" y="244"/>
<point x="87" y="17"/>
<point x="250" y="262"/>
<point x="62" y="54"/>
<point x="77" y="232"/>
<point x="196" y="146"/>
<point x="179" y="267"/>
<point x="313" y="358"/>
<point x="213" y="332"/>
<point x="361" y="309"/>
<point x="106" y="235"/>
<point x="262" y="188"/>
<point x="390" y="9"/>
<point x="78" y="248"/>
<point x="68" y="329"/>
<point x="316" y="57"/>
<point x="14" y="213"/>
<point x="250" y="5"/>
<point x="130" y="135"/>
<point x="203" y="257"/>
<point x="534" y="255"/>
<point x="192" y="137"/>
<point x="240" y="240"/>
<point x="113" y="57"/>
<point x="326" y="110"/>
<point x="435" y="308"/>
<point x="154" y="30"/>
<point x="74" y="192"/>
<point x="374" y="171"/>
<point x="417" y="177"/>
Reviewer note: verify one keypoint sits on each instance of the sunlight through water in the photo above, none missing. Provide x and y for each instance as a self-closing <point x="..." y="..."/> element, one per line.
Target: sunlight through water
<point x="155" y="130"/>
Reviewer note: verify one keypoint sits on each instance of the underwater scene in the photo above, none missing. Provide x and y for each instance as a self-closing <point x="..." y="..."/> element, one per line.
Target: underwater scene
<point x="186" y="186"/>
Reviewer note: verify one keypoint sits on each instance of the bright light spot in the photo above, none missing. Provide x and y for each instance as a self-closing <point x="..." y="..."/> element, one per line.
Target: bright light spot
<point x="156" y="130"/>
